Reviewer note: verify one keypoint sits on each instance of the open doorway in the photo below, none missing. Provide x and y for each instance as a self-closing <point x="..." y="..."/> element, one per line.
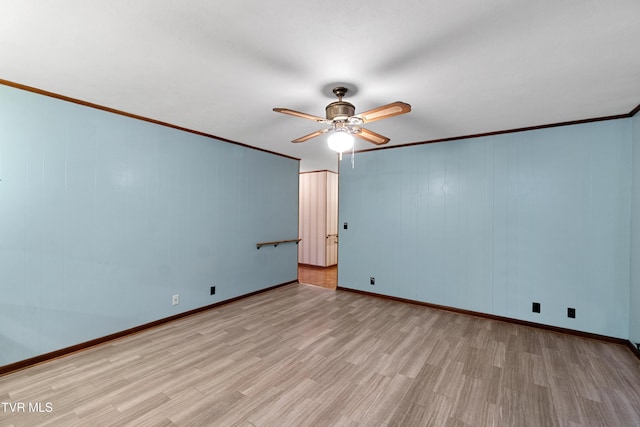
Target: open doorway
<point x="318" y="229"/>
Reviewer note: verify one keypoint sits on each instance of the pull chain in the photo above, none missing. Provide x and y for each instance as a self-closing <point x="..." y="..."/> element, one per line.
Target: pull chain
<point x="353" y="156"/>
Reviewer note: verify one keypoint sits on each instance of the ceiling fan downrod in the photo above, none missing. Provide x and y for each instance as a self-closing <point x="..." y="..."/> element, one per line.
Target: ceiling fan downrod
<point x="340" y="92"/>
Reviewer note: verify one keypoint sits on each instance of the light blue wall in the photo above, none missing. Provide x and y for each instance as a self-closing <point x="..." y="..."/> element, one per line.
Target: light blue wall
<point x="634" y="296"/>
<point x="493" y="224"/>
<point x="103" y="218"/>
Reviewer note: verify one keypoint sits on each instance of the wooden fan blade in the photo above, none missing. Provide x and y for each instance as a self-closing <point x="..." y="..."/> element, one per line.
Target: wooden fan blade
<point x="311" y="135"/>
<point x="299" y="114"/>
<point x="372" y="137"/>
<point x="389" y="110"/>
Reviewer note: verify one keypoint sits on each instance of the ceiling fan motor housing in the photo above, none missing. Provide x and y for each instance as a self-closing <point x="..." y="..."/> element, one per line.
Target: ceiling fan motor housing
<point x="340" y="110"/>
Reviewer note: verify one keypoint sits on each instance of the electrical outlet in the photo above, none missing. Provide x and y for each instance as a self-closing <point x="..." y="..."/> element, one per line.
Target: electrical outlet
<point x="535" y="307"/>
<point x="372" y="280"/>
<point x="212" y="290"/>
<point x="346" y="225"/>
<point x="571" y="312"/>
<point x="175" y="300"/>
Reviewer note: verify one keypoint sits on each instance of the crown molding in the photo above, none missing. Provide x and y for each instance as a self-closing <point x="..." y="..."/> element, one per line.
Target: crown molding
<point x="133" y="116"/>
<point x="515" y="130"/>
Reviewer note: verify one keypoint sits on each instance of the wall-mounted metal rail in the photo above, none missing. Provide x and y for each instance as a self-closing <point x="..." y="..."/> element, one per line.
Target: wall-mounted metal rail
<point x="276" y="243"/>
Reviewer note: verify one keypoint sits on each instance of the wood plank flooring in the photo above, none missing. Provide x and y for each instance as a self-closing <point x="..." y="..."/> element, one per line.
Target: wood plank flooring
<point x="301" y="355"/>
<point x="326" y="277"/>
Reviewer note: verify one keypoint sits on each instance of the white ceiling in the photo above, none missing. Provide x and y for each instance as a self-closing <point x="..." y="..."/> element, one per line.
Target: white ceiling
<point x="466" y="67"/>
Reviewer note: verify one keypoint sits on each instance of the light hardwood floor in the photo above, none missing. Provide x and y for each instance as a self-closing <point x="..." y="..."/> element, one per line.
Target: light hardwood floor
<point x="301" y="355"/>
<point x="326" y="277"/>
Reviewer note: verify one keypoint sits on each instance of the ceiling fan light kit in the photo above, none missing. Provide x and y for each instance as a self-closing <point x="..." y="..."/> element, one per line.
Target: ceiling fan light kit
<point x="340" y="141"/>
<point x="345" y="124"/>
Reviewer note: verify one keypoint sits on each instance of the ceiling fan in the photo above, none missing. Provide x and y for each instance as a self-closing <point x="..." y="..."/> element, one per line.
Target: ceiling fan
<point x="345" y="123"/>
